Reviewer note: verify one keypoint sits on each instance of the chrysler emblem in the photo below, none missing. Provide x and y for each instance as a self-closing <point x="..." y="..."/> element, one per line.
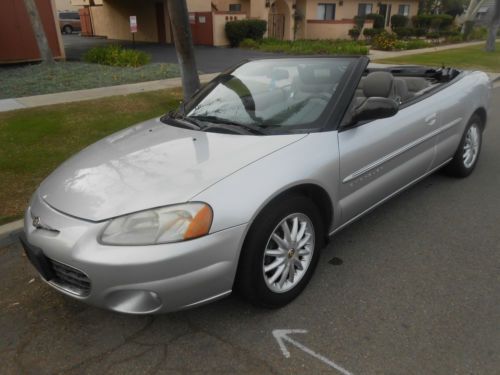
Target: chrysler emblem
<point x="36" y="221"/>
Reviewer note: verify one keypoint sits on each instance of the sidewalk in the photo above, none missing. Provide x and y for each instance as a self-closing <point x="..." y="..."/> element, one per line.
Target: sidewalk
<point x="101" y="92"/>
<point x="379" y="55"/>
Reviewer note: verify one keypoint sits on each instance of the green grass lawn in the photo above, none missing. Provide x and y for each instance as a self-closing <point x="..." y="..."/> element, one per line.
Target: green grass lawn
<point x="35" y="141"/>
<point x="474" y="57"/>
<point x="35" y="79"/>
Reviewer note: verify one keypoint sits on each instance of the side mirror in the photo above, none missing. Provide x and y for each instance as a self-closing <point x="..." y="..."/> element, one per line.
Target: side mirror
<point x="375" y="108"/>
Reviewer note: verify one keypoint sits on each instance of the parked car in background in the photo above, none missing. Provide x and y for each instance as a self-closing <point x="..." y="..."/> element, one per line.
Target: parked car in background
<point x="243" y="185"/>
<point x="69" y="22"/>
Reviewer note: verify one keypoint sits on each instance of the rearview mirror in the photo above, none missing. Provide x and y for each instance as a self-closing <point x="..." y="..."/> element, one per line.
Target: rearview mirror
<point x="375" y="108"/>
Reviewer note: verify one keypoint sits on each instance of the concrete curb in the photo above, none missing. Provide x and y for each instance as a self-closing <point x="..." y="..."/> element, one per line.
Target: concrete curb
<point x="9" y="232"/>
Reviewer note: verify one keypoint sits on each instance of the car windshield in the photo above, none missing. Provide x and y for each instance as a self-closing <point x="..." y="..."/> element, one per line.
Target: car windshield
<point x="275" y="93"/>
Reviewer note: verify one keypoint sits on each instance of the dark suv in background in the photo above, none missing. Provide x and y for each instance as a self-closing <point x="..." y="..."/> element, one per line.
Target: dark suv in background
<point x="69" y="22"/>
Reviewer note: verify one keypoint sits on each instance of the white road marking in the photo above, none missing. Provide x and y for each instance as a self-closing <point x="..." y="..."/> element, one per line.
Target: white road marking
<point x="282" y="335"/>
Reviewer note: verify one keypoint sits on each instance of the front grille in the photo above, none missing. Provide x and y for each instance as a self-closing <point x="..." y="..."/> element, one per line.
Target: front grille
<point x="70" y="279"/>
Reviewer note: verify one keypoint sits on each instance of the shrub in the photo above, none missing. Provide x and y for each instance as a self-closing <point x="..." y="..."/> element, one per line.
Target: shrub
<point x="478" y="33"/>
<point x="115" y="55"/>
<point x="446" y="20"/>
<point x="421" y="21"/>
<point x="370" y="33"/>
<point x="384" y="41"/>
<point x="378" y="20"/>
<point x="404" y="32"/>
<point x="238" y="30"/>
<point x="434" y="21"/>
<point x="432" y="35"/>
<point x="310" y="47"/>
<point x="420" y="32"/>
<point x="249" y="43"/>
<point x="410" y="44"/>
<point x="354" y="33"/>
<point x="468" y="27"/>
<point x="455" y="38"/>
<point x="359" y="21"/>
<point x="399" y="21"/>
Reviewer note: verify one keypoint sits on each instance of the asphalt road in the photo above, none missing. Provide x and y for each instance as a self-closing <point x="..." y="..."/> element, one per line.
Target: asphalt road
<point x="208" y="59"/>
<point x="417" y="293"/>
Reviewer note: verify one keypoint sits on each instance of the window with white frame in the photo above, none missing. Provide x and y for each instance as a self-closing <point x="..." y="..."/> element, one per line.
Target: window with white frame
<point x="364" y="9"/>
<point x="326" y="11"/>
<point x="404" y="10"/>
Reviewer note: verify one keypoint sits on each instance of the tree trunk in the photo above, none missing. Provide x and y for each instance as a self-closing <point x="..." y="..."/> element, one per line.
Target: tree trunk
<point x="183" y="41"/>
<point x="471" y="9"/>
<point x="493" y="28"/>
<point x="41" y="38"/>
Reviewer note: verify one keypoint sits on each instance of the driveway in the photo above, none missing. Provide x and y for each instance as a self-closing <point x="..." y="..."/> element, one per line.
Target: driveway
<point x="208" y="59"/>
<point x="412" y="288"/>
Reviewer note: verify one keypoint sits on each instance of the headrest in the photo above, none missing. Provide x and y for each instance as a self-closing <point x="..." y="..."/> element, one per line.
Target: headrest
<point x="401" y="89"/>
<point x="379" y="84"/>
<point x="279" y="74"/>
<point x="319" y="75"/>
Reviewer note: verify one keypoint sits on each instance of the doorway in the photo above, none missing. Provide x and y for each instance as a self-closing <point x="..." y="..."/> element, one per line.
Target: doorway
<point x="277" y="26"/>
<point x="160" y="23"/>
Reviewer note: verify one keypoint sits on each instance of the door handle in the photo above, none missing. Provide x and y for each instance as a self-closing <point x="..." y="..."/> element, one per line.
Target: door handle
<point x="431" y="119"/>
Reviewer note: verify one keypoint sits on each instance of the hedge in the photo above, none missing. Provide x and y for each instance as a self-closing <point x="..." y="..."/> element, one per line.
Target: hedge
<point x="399" y="21"/>
<point x="115" y="55"/>
<point x="378" y="20"/>
<point x="237" y="31"/>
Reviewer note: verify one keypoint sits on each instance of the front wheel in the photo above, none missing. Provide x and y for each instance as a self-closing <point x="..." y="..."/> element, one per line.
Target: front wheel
<point x="280" y="252"/>
<point x="67" y="29"/>
<point x="467" y="154"/>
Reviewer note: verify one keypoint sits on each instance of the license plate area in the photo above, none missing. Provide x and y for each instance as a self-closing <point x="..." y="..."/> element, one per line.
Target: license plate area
<point x="38" y="259"/>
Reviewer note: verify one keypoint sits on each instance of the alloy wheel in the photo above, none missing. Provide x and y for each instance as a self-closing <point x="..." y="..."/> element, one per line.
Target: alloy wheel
<point x="289" y="252"/>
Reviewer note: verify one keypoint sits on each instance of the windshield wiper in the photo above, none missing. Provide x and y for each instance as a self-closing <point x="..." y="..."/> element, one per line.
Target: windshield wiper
<point x="184" y="120"/>
<point x="221" y="122"/>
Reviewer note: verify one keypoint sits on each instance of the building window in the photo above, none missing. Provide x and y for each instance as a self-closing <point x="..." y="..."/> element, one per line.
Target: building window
<point x="326" y="11"/>
<point x="364" y="9"/>
<point x="235" y="7"/>
<point x="404" y="10"/>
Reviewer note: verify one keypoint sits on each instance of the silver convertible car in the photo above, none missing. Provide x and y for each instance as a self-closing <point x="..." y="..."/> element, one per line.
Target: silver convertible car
<point x="241" y="187"/>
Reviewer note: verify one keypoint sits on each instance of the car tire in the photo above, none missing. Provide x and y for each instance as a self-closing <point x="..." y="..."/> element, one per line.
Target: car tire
<point x="261" y="251"/>
<point x="67" y="29"/>
<point x="465" y="159"/>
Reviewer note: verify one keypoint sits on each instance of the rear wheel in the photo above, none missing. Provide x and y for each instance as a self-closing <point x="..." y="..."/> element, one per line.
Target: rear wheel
<point x="465" y="159"/>
<point x="280" y="252"/>
<point x="67" y="29"/>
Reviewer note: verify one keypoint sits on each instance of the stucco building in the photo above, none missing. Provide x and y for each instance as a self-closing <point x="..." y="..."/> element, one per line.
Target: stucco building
<point x="287" y="19"/>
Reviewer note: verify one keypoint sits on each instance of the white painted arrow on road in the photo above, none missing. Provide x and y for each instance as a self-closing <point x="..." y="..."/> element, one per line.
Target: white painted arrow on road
<point x="282" y="335"/>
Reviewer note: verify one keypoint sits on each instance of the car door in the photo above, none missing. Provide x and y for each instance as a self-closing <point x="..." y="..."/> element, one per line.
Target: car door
<point x="379" y="158"/>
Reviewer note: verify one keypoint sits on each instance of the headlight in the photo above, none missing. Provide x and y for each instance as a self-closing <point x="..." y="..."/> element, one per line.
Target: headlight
<point x="159" y="225"/>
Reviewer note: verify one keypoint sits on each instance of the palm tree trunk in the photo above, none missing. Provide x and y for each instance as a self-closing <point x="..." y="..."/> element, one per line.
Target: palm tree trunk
<point x="41" y="38"/>
<point x="493" y="28"/>
<point x="183" y="41"/>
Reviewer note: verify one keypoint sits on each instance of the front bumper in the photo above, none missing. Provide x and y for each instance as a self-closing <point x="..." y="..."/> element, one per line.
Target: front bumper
<point x="133" y="279"/>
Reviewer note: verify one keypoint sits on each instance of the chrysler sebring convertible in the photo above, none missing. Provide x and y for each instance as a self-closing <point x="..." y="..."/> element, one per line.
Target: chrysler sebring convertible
<point x="241" y="187"/>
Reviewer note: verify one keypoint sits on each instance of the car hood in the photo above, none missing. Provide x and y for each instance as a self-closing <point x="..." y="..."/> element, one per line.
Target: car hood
<point x="150" y="165"/>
